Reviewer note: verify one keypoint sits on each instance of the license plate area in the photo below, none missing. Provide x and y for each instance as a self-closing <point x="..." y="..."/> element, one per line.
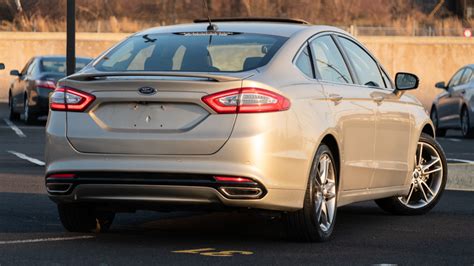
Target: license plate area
<point x="149" y="116"/>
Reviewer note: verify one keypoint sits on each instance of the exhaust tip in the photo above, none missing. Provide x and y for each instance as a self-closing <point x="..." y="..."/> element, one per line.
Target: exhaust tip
<point x="241" y="192"/>
<point x="58" y="187"/>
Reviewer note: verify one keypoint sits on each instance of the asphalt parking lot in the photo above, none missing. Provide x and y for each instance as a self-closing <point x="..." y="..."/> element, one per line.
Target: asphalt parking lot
<point x="30" y="232"/>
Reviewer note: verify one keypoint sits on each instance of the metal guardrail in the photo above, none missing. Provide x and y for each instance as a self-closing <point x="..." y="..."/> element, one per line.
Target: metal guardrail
<point x="424" y="31"/>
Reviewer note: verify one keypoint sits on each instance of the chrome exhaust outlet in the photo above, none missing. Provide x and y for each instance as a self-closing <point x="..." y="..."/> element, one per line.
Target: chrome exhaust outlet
<point x="241" y="192"/>
<point x="58" y="187"/>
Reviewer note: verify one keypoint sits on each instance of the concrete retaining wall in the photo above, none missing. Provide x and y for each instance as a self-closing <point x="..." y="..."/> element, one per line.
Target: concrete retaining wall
<point x="432" y="59"/>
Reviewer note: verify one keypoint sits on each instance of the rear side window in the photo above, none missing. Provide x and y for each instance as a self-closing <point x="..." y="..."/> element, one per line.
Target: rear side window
<point x="303" y="62"/>
<point x="466" y="77"/>
<point x="367" y="70"/>
<point x="328" y="61"/>
<point x="196" y="52"/>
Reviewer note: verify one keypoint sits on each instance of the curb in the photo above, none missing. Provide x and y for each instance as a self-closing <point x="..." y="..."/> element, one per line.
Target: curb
<point x="460" y="177"/>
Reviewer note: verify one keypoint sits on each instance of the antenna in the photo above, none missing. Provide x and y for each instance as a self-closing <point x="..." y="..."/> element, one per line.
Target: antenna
<point x="211" y="27"/>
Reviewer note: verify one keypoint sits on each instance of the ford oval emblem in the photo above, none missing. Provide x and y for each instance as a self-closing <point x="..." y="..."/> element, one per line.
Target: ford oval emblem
<point x="147" y="90"/>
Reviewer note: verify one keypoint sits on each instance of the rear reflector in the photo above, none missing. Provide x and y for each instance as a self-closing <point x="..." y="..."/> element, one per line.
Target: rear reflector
<point x="246" y="100"/>
<point x="61" y="176"/>
<point x="235" y="179"/>
<point x="67" y="99"/>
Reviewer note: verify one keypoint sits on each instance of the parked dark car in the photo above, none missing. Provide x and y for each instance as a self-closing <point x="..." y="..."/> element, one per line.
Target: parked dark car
<point x="454" y="107"/>
<point x="29" y="92"/>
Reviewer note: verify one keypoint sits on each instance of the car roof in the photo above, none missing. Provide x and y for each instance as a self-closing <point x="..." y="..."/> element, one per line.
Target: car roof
<point x="60" y="57"/>
<point x="275" y="28"/>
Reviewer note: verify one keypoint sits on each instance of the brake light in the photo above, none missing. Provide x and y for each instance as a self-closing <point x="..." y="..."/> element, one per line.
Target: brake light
<point x="246" y="100"/>
<point x="67" y="99"/>
<point x="236" y="179"/>
<point x="47" y="84"/>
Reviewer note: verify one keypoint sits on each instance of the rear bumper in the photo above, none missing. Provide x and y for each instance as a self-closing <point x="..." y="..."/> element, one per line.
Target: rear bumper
<point x="167" y="197"/>
<point x="281" y="167"/>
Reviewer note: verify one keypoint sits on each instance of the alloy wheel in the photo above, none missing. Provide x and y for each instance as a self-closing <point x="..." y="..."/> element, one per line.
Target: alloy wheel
<point x="465" y="122"/>
<point x="26" y="110"/>
<point x="427" y="177"/>
<point x="325" y="192"/>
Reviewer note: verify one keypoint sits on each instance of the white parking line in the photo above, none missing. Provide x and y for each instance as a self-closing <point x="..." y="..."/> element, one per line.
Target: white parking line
<point x="14" y="128"/>
<point x="451" y="139"/>
<point x="26" y="157"/>
<point x="461" y="160"/>
<point x="25" y="241"/>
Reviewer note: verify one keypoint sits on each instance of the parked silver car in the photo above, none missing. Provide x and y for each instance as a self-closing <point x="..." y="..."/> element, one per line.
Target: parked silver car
<point x="454" y="107"/>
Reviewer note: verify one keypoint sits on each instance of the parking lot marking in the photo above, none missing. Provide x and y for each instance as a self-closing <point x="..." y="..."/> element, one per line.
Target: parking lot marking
<point x="14" y="128"/>
<point x="461" y="160"/>
<point x="212" y="252"/>
<point x="26" y="241"/>
<point x="455" y="140"/>
<point x="26" y="157"/>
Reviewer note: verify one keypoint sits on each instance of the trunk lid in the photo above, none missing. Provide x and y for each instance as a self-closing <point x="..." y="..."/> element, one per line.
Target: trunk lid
<point x="172" y="121"/>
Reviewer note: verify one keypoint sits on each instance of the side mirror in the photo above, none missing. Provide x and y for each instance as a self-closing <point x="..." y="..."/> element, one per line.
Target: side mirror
<point x="441" y="85"/>
<point x="2" y="66"/>
<point x="406" y="81"/>
<point x="15" y="72"/>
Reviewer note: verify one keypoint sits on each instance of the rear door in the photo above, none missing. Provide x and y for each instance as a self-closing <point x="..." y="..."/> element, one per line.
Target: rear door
<point x="354" y="111"/>
<point x="171" y="121"/>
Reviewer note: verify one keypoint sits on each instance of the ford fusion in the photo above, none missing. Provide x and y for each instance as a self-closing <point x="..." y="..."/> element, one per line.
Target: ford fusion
<point x="274" y="116"/>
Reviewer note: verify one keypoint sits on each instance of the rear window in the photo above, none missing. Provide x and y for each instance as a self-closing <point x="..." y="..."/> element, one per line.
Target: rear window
<point x="58" y="65"/>
<point x="194" y="52"/>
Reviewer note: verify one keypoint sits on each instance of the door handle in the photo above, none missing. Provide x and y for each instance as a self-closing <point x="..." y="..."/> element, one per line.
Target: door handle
<point x="335" y="97"/>
<point x="378" y="98"/>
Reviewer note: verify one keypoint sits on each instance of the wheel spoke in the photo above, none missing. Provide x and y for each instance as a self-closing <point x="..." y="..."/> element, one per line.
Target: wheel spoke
<point x="420" y="153"/>
<point x="330" y="211"/>
<point x="427" y="166"/>
<point x="412" y="187"/>
<point x="423" y="192"/>
<point x="324" y="213"/>
<point x="433" y="171"/>
<point x="428" y="188"/>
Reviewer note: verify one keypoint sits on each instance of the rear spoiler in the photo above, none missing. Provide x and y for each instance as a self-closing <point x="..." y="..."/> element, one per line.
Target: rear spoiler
<point x="102" y="75"/>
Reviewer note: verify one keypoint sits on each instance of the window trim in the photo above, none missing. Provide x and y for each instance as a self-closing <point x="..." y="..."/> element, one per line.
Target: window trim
<point x="352" y="73"/>
<point x="306" y="45"/>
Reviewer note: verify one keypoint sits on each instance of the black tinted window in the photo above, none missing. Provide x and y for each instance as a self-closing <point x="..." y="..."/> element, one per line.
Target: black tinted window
<point x="367" y="70"/>
<point x="199" y="52"/>
<point x="328" y="61"/>
<point x="303" y="62"/>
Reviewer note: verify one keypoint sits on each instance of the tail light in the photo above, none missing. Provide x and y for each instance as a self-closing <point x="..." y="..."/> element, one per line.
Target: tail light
<point x="67" y="99"/>
<point x="246" y="100"/>
<point x="47" y="84"/>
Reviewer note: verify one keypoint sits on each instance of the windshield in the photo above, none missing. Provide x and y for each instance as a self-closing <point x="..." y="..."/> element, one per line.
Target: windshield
<point x="58" y="65"/>
<point x="193" y="52"/>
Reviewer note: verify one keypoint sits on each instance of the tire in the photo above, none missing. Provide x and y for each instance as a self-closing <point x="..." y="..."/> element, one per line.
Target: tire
<point x="440" y="132"/>
<point x="82" y="218"/>
<point x="420" y="200"/>
<point x="28" y="116"/>
<point x="466" y="127"/>
<point x="13" y="115"/>
<point x="310" y="224"/>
